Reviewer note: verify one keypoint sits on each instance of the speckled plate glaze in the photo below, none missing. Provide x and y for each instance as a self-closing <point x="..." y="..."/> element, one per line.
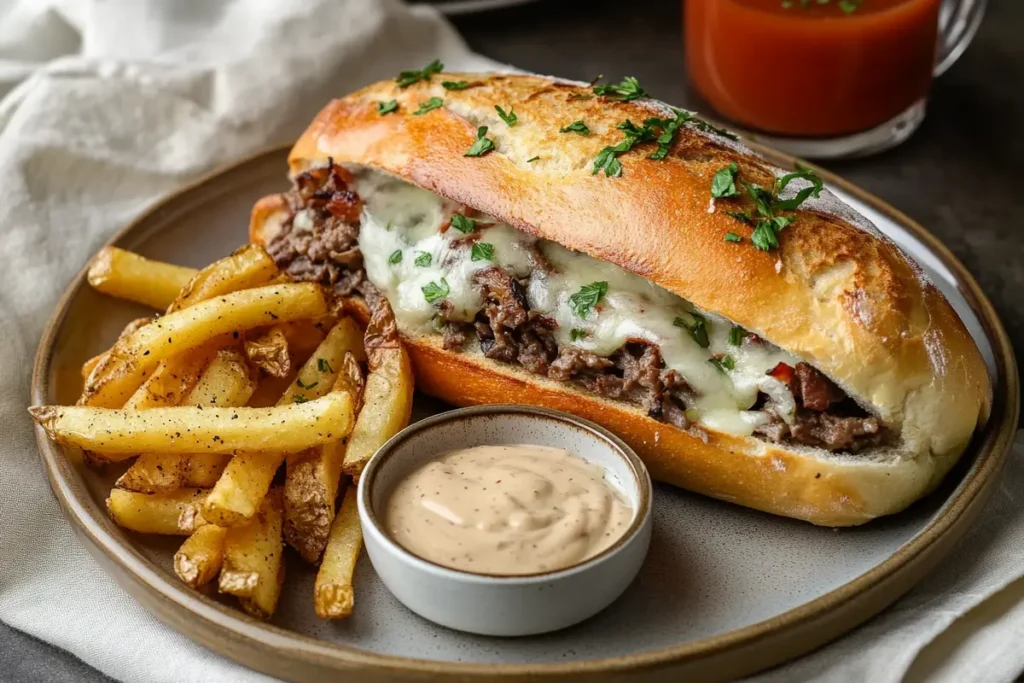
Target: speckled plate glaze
<point x="725" y="591"/>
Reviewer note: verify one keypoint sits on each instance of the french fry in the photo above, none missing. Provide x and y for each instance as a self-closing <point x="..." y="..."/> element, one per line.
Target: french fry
<point x="333" y="594"/>
<point x="270" y="390"/>
<point x="311" y="484"/>
<point x="248" y="267"/>
<point x="226" y="382"/>
<point x="126" y="275"/>
<point x="185" y="430"/>
<point x="174" y="513"/>
<point x="348" y="338"/>
<point x="135" y="356"/>
<point x="269" y="352"/>
<point x="205" y="469"/>
<point x="172" y="380"/>
<point x="96" y="460"/>
<point x="304" y="336"/>
<point x="90" y="365"/>
<point x="200" y="557"/>
<point x="282" y="348"/>
<point x="252" y="567"/>
<point x="168" y="384"/>
<point x="387" y="399"/>
<point x="181" y="392"/>
<point x="245" y="481"/>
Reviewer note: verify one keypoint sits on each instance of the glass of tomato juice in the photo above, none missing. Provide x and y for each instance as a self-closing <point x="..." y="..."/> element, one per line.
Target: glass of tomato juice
<point x="824" y="78"/>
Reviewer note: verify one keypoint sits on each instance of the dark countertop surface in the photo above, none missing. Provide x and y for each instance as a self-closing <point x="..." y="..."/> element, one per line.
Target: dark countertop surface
<point x="955" y="176"/>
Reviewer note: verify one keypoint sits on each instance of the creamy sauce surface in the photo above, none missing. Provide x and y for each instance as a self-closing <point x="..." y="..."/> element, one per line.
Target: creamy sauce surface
<point x="507" y="510"/>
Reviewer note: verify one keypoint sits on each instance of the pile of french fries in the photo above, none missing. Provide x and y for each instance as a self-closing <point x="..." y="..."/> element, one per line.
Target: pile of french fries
<point x="246" y="372"/>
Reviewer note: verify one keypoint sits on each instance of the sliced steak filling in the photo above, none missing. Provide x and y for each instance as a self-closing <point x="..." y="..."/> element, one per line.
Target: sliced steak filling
<point x="318" y="242"/>
<point x="825" y="417"/>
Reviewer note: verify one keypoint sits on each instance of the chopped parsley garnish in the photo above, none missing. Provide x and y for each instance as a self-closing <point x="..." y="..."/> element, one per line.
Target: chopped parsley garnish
<point x="396" y="257"/>
<point x="733" y="237"/>
<point x="583" y="301"/>
<point x="298" y="380"/>
<point x="455" y="85"/>
<point x="779" y="222"/>
<point x="607" y="159"/>
<point x="765" y="219"/>
<point x="407" y="78"/>
<point x="669" y="129"/>
<point x="741" y="216"/>
<point x="706" y="127"/>
<point x="510" y="118"/>
<point x="764" y="236"/>
<point x="323" y="366"/>
<point x="482" y="251"/>
<point x="762" y="199"/>
<point x="724" y="183"/>
<point x="429" y="105"/>
<point x="387" y="107"/>
<point x="433" y="291"/>
<point x="723" y="363"/>
<point x="628" y="89"/>
<point x="663" y="131"/>
<point x="802" y="173"/>
<point x="482" y="145"/>
<point x="576" y="334"/>
<point x="299" y="398"/>
<point x="463" y="224"/>
<point x="634" y="130"/>
<point x="423" y="259"/>
<point x="575" y="127"/>
<point x="736" y="335"/>
<point x="698" y="329"/>
<point x="532" y="159"/>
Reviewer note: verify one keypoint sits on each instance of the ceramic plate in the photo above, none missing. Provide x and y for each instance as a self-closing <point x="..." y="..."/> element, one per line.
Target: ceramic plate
<point x="725" y="590"/>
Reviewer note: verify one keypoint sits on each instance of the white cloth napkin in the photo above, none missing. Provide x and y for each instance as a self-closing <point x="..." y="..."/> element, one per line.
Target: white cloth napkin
<point x="106" y="106"/>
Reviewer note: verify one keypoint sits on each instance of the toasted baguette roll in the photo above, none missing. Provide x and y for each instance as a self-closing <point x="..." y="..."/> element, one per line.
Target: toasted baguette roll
<point x="836" y="293"/>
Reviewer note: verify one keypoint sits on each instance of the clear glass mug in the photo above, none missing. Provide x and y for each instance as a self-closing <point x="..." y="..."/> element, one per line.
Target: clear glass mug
<point x="823" y="79"/>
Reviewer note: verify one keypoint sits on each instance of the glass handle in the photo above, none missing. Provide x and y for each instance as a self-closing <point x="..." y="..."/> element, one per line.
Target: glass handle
<point x="958" y="22"/>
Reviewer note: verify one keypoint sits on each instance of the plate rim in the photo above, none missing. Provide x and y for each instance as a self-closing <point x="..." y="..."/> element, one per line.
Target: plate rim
<point x="230" y="629"/>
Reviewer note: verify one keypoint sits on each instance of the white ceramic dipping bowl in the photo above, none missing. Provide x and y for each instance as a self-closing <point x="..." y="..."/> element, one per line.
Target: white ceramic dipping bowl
<point x="505" y="605"/>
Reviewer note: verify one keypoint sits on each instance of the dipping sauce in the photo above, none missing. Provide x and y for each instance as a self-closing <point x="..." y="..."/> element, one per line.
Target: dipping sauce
<point x="508" y="510"/>
<point x="811" y="68"/>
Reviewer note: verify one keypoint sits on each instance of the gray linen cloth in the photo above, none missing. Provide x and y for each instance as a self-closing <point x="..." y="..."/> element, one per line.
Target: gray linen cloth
<point x="106" y="106"/>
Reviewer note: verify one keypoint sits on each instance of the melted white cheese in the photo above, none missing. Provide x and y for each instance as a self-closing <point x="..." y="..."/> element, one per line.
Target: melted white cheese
<point x="401" y="223"/>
